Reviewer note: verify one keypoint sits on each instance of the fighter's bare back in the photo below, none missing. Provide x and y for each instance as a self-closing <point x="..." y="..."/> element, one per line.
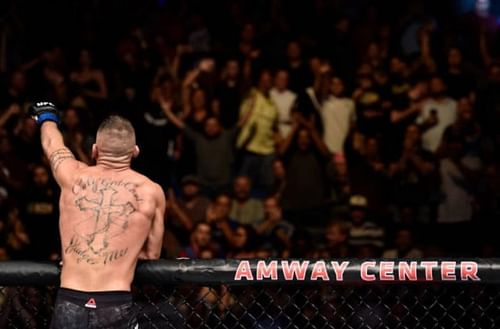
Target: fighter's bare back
<point x="105" y="219"/>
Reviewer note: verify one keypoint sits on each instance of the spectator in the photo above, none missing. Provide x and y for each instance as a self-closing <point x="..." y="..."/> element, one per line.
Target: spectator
<point x="403" y="246"/>
<point x="399" y="75"/>
<point x="214" y="172"/>
<point x="258" y="134"/>
<point x="199" y="241"/>
<point x="199" y="38"/>
<point x="370" y="113"/>
<point x="300" y="77"/>
<point x="192" y="202"/>
<point x="363" y="232"/>
<point x="181" y="224"/>
<point x="47" y="75"/>
<point x="195" y="111"/>
<point x="244" y="243"/>
<point x="305" y="157"/>
<point x="438" y="112"/>
<point x="458" y="179"/>
<point x="338" y="116"/>
<point x="302" y="246"/>
<point x="10" y="116"/>
<point x="284" y="99"/>
<point x="405" y="111"/>
<point x="12" y="168"/>
<point x="414" y="174"/>
<point x="90" y="80"/>
<point x="460" y="82"/>
<point x="194" y="98"/>
<point x="17" y="239"/>
<point x="218" y="215"/>
<point x="40" y="215"/>
<point x="90" y="84"/>
<point x="336" y="240"/>
<point x="279" y="178"/>
<point x="310" y="99"/>
<point x="156" y="134"/>
<point x="229" y="93"/>
<point x="368" y="174"/>
<point x="338" y="172"/>
<point x="75" y="137"/>
<point x="244" y="209"/>
<point x="16" y="92"/>
<point x="26" y="138"/>
<point x="274" y="229"/>
<point x="466" y="126"/>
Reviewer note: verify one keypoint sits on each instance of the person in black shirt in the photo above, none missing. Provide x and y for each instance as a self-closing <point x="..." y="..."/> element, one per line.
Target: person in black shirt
<point x="40" y="215"/>
<point x="229" y="93"/>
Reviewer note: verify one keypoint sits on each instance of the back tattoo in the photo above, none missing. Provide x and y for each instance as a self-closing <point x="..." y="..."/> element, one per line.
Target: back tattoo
<point x="106" y="206"/>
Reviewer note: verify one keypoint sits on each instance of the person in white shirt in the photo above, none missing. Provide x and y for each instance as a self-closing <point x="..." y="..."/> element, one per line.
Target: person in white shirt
<point x="437" y="113"/>
<point x="457" y="172"/>
<point x="284" y="99"/>
<point x="338" y="114"/>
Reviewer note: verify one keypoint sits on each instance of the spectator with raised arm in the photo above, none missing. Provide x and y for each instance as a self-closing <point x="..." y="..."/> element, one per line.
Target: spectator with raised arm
<point x="305" y="157"/>
<point x="259" y="133"/>
<point x="214" y="172"/>
<point x="229" y="93"/>
<point x="414" y="176"/>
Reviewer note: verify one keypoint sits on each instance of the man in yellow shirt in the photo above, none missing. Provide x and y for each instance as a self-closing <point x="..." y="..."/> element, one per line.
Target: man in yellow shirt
<point x="258" y="136"/>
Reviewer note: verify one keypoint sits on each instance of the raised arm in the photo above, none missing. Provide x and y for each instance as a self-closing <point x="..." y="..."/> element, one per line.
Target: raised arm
<point x="317" y="140"/>
<point x="13" y="109"/>
<point x="425" y="48"/>
<point x="287" y="141"/>
<point x="62" y="161"/>
<point x="190" y="78"/>
<point x="167" y="109"/>
<point x="102" y="93"/>
<point x="483" y="48"/>
<point x="152" y="247"/>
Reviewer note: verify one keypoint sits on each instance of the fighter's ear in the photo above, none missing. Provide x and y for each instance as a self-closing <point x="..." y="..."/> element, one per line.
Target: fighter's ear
<point x="94" y="151"/>
<point x="136" y="151"/>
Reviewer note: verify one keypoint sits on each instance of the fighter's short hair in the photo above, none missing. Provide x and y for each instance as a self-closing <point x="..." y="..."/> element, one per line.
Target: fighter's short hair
<point x="116" y="136"/>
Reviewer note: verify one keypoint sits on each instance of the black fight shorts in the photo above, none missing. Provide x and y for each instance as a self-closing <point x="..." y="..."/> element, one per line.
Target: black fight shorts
<point x="93" y="310"/>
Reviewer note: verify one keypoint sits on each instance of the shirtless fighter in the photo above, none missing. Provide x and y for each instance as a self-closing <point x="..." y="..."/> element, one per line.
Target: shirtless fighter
<point x="110" y="216"/>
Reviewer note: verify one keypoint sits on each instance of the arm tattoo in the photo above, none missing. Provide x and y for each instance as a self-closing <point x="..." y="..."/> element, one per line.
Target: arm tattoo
<point x="59" y="156"/>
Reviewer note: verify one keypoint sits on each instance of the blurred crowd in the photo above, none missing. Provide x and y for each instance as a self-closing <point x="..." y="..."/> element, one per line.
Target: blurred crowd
<point x="282" y="129"/>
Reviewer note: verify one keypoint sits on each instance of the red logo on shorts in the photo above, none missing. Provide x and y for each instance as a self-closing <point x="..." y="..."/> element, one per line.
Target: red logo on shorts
<point x="91" y="303"/>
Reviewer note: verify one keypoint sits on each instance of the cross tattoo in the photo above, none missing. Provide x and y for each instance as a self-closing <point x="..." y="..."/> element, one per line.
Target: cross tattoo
<point x="110" y="218"/>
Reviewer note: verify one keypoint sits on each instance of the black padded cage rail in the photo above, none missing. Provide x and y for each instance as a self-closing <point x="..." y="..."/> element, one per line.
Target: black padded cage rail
<point x="281" y="293"/>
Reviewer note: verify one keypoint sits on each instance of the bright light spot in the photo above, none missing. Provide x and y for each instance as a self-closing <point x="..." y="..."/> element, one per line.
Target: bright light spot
<point x="483" y="7"/>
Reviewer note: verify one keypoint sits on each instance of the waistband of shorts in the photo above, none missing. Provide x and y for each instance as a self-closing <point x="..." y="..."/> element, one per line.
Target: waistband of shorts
<point x="94" y="299"/>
